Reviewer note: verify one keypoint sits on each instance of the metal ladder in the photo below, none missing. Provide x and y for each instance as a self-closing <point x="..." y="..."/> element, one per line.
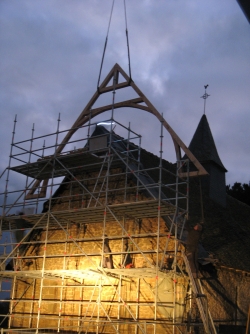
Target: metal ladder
<point x="201" y="300"/>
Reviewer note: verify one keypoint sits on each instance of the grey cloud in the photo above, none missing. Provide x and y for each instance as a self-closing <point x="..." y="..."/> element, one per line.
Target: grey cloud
<point x="51" y="53"/>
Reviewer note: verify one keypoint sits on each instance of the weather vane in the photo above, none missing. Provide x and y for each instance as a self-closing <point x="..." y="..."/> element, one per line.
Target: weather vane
<point x="204" y="97"/>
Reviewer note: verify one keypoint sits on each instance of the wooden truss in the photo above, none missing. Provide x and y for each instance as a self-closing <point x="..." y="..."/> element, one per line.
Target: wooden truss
<point x="111" y="83"/>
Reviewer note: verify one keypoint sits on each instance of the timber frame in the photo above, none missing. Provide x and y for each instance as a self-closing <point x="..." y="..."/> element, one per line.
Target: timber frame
<point x="141" y="102"/>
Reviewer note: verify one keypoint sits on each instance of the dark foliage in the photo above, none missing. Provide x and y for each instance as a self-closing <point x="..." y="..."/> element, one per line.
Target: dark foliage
<point x="4" y="310"/>
<point x="240" y="191"/>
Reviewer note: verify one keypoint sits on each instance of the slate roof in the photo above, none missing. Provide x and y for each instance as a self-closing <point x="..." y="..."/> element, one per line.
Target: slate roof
<point x="245" y="6"/>
<point x="203" y="146"/>
<point x="226" y="232"/>
<point x="226" y="229"/>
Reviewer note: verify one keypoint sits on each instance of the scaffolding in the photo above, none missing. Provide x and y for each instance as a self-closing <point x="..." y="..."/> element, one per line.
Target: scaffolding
<point x="92" y="243"/>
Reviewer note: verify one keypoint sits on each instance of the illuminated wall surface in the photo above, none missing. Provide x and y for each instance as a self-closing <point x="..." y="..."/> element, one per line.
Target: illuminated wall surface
<point x="90" y="296"/>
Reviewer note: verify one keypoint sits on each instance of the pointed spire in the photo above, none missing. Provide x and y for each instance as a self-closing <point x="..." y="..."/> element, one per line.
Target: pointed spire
<point x="203" y="146"/>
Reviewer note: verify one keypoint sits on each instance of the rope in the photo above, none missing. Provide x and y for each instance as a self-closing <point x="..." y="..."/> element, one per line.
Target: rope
<point x="126" y="23"/>
<point x="105" y="45"/>
<point x="106" y="42"/>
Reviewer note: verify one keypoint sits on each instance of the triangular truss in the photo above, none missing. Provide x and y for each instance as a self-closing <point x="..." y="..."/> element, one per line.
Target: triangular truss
<point x="112" y="83"/>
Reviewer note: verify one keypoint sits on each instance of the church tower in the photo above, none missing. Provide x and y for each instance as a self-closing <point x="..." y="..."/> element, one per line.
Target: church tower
<point x="203" y="147"/>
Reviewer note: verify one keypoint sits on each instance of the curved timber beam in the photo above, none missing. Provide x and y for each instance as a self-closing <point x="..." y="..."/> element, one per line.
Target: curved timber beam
<point x="89" y="113"/>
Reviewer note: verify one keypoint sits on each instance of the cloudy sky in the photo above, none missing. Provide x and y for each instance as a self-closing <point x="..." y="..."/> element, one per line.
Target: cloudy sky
<point x="51" y="53"/>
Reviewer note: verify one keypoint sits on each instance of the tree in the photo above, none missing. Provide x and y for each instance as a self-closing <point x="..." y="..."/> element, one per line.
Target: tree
<point x="240" y="191"/>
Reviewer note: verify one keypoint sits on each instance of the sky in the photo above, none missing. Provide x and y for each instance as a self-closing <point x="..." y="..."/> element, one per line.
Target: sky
<point x="51" y="53"/>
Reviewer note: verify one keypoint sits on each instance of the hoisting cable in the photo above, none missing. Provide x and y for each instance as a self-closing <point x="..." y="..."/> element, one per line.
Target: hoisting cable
<point x="126" y="23"/>
<point x="105" y="45"/>
<point x="106" y="42"/>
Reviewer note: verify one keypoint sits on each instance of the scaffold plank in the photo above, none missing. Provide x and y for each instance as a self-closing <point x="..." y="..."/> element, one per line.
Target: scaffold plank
<point x="140" y="209"/>
<point x="59" y="165"/>
<point x="85" y="274"/>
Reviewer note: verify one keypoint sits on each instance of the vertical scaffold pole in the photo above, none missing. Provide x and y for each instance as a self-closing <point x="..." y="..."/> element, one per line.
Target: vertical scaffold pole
<point x="80" y="307"/>
<point x="138" y="169"/>
<point x="137" y="303"/>
<point x="158" y="225"/>
<point x="159" y="193"/>
<point x="120" y="276"/>
<point x="29" y="160"/>
<point x="8" y="172"/>
<point x="127" y="159"/>
<point x="32" y="303"/>
<point x="3" y="214"/>
<point x="89" y="125"/>
<point x="54" y="161"/>
<point x="38" y="188"/>
<point x="176" y="218"/>
<point x="62" y="280"/>
<point x="46" y="233"/>
<point x="42" y="277"/>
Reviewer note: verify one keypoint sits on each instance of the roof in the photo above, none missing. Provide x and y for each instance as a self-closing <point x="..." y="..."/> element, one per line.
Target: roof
<point x="203" y="146"/>
<point x="226" y="229"/>
<point x="245" y="6"/>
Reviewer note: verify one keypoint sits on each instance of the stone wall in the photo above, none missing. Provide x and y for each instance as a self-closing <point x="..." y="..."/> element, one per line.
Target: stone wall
<point x="228" y="292"/>
<point x="86" y="301"/>
<point x="77" y="303"/>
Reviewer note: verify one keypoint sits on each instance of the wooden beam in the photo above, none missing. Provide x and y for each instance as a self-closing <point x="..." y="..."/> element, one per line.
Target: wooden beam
<point x="89" y="113"/>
